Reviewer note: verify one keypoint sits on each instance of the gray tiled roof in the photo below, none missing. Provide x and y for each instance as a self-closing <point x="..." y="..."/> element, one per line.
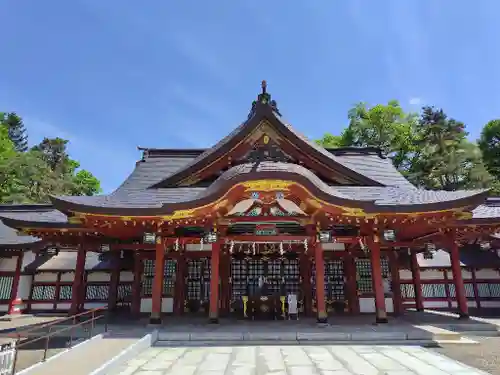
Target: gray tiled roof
<point x="9" y="237"/>
<point x="66" y="260"/>
<point x="486" y="211"/>
<point x="138" y="198"/>
<point x="402" y="196"/>
<point x="468" y="258"/>
<point x="373" y="166"/>
<point x="48" y="216"/>
<point x="150" y="171"/>
<point x="379" y="195"/>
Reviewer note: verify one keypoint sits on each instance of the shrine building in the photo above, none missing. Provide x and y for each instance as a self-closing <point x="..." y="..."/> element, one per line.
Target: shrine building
<point x="265" y="224"/>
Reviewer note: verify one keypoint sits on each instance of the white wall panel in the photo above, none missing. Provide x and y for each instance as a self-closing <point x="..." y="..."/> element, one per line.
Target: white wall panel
<point x="8" y="264"/>
<point x="98" y="277"/>
<point x="46" y="277"/>
<point x="126" y="276"/>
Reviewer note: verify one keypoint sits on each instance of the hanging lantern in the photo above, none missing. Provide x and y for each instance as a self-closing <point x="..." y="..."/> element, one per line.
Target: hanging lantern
<point x="325" y="236"/>
<point x="231" y="246"/>
<point x="305" y="246"/>
<point x="211" y="237"/>
<point x="149" y="238"/>
<point x="389" y="235"/>
<point x="281" y="249"/>
<point x="254" y="250"/>
<point x="430" y="248"/>
<point x="485" y="245"/>
<point x="176" y="245"/>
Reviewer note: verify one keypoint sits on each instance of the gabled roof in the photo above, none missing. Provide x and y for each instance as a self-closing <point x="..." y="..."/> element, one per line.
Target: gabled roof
<point x="66" y="260"/>
<point x="9" y="238"/>
<point x="263" y="111"/>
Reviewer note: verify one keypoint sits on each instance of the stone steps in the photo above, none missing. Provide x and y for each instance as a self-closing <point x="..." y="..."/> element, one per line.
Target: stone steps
<point x="418" y="335"/>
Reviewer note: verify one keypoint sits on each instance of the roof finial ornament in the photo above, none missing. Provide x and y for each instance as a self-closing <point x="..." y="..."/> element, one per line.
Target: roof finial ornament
<point x="264" y="98"/>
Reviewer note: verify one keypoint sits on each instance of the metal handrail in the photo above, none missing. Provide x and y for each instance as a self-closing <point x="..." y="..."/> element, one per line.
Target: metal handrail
<point x="20" y="334"/>
<point x="74" y="324"/>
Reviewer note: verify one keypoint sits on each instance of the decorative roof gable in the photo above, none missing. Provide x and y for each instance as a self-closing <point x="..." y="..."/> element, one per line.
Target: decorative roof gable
<point x="265" y="132"/>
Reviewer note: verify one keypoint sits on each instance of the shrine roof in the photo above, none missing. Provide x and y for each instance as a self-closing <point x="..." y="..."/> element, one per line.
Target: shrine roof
<point x="66" y="260"/>
<point x="9" y="238"/>
<point x="468" y="258"/>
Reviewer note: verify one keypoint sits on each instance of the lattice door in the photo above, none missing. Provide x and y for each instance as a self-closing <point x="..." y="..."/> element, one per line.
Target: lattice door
<point x="198" y="279"/>
<point x="274" y="276"/>
<point x="364" y="273"/>
<point x="239" y="276"/>
<point x="334" y="280"/>
<point x="291" y="275"/>
<point x="334" y="274"/>
<point x="255" y="271"/>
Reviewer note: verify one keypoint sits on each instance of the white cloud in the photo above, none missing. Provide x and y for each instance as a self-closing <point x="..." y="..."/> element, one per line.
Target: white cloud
<point x="416" y="101"/>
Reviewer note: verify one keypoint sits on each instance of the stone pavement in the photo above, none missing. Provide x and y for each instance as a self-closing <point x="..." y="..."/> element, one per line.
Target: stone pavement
<point x="293" y="360"/>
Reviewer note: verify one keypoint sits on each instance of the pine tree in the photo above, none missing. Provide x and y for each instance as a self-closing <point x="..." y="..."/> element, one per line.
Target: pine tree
<point x="17" y="131"/>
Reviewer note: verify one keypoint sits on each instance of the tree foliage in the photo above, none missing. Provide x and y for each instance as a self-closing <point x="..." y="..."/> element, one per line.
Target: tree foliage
<point x="429" y="148"/>
<point x="33" y="175"/>
<point x="489" y="143"/>
<point x="16" y="130"/>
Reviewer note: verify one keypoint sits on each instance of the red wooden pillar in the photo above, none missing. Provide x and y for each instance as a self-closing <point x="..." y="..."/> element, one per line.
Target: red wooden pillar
<point x="76" y="290"/>
<point x="225" y="276"/>
<point x="320" y="282"/>
<point x="378" y="285"/>
<point x="14" y="294"/>
<point x="157" y="291"/>
<point x="114" y="280"/>
<point x="135" y="307"/>
<point x="417" y="281"/>
<point x="463" y="310"/>
<point x="397" y="301"/>
<point x="351" y="286"/>
<point x="214" y="283"/>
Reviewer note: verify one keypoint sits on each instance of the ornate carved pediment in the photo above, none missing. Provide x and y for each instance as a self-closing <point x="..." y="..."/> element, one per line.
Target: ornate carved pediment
<point x="266" y="151"/>
<point x="259" y="204"/>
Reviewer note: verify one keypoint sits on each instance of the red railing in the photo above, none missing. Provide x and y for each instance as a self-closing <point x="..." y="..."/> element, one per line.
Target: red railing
<point x="90" y="317"/>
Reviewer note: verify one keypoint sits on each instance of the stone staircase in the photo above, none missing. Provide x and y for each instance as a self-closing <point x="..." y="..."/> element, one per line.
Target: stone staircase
<point x="255" y="335"/>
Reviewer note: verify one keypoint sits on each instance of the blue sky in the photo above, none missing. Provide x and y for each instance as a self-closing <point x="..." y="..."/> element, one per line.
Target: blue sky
<point x="112" y="75"/>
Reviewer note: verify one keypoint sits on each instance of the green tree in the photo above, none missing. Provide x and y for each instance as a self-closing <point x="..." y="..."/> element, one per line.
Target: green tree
<point x="386" y="127"/>
<point x="331" y="141"/>
<point x="445" y="159"/>
<point x="489" y="143"/>
<point x="53" y="151"/>
<point x="16" y="129"/>
<point x="26" y="178"/>
<point x="72" y="181"/>
<point x="31" y="176"/>
<point x="6" y="145"/>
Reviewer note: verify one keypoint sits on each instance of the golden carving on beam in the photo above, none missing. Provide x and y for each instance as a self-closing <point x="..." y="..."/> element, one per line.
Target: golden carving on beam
<point x="313" y="203"/>
<point x="74" y="220"/>
<point x="461" y="215"/>
<point x="180" y="214"/>
<point x="266" y="139"/>
<point x="267" y="185"/>
<point x="190" y="180"/>
<point x="358" y="212"/>
<point x="223" y="203"/>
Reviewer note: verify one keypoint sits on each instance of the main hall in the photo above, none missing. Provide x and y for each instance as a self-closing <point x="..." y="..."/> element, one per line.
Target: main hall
<point x="265" y="224"/>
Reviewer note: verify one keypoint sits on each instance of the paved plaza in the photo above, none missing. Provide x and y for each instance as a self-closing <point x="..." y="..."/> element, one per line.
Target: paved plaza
<point x="293" y="360"/>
